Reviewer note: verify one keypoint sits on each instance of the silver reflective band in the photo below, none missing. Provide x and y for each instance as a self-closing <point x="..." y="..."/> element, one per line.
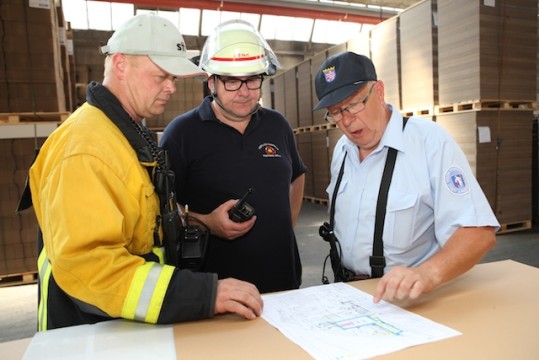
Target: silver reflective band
<point x="146" y="295"/>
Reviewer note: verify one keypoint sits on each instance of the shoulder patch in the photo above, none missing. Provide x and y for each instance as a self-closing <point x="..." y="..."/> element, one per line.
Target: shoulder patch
<point x="455" y="181"/>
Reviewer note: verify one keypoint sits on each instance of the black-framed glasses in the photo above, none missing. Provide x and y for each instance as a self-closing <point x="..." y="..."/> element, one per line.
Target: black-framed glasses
<point x="354" y="108"/>
<point x="233" y="84"/>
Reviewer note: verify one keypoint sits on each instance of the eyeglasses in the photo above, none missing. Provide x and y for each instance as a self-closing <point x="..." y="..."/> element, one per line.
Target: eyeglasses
<point x="233" y="84"/>
<point x="354" y="108"/>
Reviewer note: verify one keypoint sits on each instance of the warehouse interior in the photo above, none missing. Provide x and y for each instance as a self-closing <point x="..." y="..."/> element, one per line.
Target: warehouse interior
<point x="471" y="66"/>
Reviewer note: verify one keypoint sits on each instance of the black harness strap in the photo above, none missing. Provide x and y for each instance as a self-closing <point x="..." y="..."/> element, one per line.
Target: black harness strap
<point x="378" y="261"/>
<point x="334" y="197"/>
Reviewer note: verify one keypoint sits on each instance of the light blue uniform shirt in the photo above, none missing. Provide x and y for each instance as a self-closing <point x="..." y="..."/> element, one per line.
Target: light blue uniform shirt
<point x="433" y="193"/>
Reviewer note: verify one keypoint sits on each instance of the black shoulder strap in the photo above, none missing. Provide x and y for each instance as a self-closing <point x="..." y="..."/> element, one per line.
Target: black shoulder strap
<point x="334" y="196"/>
<point x="377" y="260"/>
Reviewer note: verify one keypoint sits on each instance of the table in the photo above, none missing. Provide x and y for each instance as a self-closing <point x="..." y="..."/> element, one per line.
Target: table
<point x="494" y="305"/>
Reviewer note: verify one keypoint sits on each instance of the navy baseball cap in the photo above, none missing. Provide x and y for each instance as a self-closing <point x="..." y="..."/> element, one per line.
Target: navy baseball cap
<point x="340" y="76"/>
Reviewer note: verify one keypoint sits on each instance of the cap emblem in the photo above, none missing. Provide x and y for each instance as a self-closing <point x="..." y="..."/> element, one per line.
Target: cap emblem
<point x="329" y="74"/>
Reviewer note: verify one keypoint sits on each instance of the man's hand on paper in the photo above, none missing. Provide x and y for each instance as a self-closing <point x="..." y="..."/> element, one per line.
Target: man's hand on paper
<point x="456" y="257"/>
<point x="403" y="283"/>
<point x="238" y="297"/>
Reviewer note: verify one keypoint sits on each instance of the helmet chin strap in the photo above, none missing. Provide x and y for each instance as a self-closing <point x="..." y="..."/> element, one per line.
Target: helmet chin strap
<point x="233" y="116"/>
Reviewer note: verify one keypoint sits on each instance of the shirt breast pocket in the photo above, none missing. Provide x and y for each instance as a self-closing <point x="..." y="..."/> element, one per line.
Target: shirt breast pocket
<point x="400" y="220"/>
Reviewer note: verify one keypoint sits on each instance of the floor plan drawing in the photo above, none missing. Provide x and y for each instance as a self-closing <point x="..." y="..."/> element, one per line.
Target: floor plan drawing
<point x="338" y="321"/>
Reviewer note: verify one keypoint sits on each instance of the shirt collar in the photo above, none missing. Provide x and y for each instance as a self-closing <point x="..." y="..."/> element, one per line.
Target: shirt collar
<point x="205" y="110"/>
<point x="393" y="135"/>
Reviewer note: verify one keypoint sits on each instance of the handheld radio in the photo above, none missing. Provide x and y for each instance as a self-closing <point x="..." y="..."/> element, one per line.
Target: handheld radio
<point x="242" y="210"/>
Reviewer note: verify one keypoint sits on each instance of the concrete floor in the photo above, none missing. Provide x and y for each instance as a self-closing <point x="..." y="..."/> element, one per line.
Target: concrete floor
<point x="18" y="304"/>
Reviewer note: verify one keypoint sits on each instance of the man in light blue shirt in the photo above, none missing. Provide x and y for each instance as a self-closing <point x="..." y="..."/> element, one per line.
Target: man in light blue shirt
<point x="438" y="223"/>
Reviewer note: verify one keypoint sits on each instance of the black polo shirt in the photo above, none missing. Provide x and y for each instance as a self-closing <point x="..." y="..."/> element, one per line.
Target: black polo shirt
<point x="214" y="163"/>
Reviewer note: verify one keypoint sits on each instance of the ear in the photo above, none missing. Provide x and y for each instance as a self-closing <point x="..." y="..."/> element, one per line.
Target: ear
<point x="211" y="84"/>
<point x="119" y="64"/>
<point x="380" y="88"/>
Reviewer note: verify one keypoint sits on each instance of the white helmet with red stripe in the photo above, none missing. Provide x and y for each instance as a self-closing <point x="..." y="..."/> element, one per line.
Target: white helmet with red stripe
<point x="235" y="48"/>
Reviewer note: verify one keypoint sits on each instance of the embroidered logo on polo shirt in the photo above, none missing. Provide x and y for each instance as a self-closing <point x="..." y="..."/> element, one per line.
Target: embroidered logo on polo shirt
<point x="269" y="150"/>
<point x="454" y="179"/>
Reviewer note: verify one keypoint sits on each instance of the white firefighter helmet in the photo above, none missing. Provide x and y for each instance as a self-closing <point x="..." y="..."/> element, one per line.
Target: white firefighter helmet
<point x="236" y="48"/>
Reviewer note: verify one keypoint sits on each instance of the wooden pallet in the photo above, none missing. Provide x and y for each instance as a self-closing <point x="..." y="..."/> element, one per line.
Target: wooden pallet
<point x="486" y="105"/>
<point x="18" y="279"/>
<point x="515" y="226"/>
<point x="316" y="200"/>
<point x="419" y="112"/>
<point x="24" y="117"/>
<point x="312" y="128"/>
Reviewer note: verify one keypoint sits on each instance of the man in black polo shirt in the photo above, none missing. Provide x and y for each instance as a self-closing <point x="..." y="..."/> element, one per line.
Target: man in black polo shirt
<point x="230" y="145"/>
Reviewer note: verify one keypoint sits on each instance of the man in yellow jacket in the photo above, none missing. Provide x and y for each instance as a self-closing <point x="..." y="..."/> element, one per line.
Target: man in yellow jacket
<point x="98" y="209"/>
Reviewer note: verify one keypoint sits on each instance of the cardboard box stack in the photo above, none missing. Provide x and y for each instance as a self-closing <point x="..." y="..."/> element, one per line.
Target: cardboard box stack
<point x="487" y="50"/>
<point x="32" y="77"/>
<point x="291" y="97"/>
<point x="305" y="89"/>
<point x="419" y="59"/>
<point x="320" y="170"/>
<point x="279" y="99"/>
<point x="487" y="54"/>
<point x="18" y="231"/>
<point x="317" y="61"/>
<point x="67" y="55"/>
<point x="385" y="54"/>
<point x="304" y="143"/>
<point x="35" y="96"/>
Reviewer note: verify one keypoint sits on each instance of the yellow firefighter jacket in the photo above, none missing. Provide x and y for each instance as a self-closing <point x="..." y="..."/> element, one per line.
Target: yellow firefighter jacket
<point x="98" y="213"/>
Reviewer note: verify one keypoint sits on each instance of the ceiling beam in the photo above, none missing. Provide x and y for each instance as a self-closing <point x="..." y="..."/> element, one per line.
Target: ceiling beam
<point x="311" y="10"/>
